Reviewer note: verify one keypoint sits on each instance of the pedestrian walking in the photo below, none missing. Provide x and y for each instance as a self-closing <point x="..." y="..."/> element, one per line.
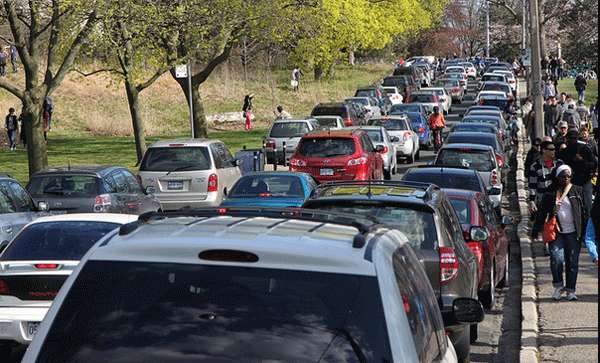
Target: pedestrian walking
<point x="549" y="89"/>
<point x="3" y="58"/>
<point x="12" y="126"/>
<point x="561" y="68"/>
<point x="281" y="114"/>
<point x="551" y="115"/>
<point x="560" y="140"/>
<point x="540" y="174"/>
<point x="584" y="136"/>
<point x="13" y="57"/>
<point x="584" y="114"/>
<point x="571" y="117"/>
<point x="563" y="215"/>
<point x="582" y="162"/>
<point x="580" y="86"/>
<point x="247" y="111"/>
<point x="554" y="68"/>
<point x="296" y="74"/>
<point x="592" y="229"/>
<point x="533" y="154"/>
<point x="48" y="108"/>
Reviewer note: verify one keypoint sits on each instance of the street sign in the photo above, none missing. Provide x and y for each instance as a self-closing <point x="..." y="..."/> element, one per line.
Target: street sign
<point x="526" y="57"/>
<point x="181" y="71"/>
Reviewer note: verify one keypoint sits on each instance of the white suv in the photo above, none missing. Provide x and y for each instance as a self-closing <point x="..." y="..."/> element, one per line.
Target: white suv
<point x="35" y="264"/>
<point x="238" y="285"/>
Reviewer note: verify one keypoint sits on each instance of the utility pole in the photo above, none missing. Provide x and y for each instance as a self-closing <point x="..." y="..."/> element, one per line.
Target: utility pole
<point x="487" y="29"/>
<point x="536" y="76"/>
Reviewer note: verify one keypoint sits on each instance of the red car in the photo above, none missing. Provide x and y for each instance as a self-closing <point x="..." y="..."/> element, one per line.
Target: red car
<point x="486" y="237"/>
<point x="330" y="155"/>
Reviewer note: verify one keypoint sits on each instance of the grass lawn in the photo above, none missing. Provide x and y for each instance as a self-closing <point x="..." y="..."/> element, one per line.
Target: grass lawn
<point x="117" y="150"/>
<point x="591" y="92"/>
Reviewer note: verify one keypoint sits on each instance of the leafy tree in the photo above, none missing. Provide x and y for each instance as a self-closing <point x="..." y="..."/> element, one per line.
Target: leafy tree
<point x="48" y="35"/>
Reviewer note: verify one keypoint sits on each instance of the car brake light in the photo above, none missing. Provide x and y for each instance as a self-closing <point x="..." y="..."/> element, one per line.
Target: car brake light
<point x="270" y="144"/>
<point x="176" y="145"/>
<point x="213" y="183"/>
<point x="102" y="203"/>
<point x="348" y="122"/>
<point x="46" y="266"/>
<point x="265" y="195"/>
<point x="421" y="130"/>
<point x="4" y="287"/>
<point x="297" y="162"/>
<point x="455" y="89"/>
<point x="448" y="264"/>
<point x="477" y="249"/>
<point x="360" y="161"/>
<point x="500" y="160"/>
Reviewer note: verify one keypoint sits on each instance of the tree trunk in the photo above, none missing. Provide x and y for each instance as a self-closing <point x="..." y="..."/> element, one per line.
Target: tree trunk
<point x="542" y="31"/>
<point x="34" y="134"/>
<point x="318" y="72"/>
<point x="139" y="129"/>
<point x="200" y="123"/>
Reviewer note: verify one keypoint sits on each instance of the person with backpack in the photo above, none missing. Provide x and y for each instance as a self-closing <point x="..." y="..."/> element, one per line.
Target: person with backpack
<point x="436" y="125"/>
<point x="47" y="108"/>
<point x="580" y="86"/>
<point x="247" y="111"/>
<point x="12" y="126"/>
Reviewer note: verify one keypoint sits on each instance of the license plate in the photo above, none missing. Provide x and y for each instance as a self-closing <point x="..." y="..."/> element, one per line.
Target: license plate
<point x="326" y="172"/>
<point x="175" y="185"/>
<point x="32" y="328"/>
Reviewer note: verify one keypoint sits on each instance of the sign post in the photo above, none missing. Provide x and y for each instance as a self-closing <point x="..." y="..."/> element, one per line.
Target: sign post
<point x="185" y="71"/>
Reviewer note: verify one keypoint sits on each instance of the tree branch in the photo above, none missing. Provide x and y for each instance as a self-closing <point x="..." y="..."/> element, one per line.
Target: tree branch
<point x="503" y="4"/>
<point x="20" y="40"/>
<point x="109" y="70"/>
<point x="142" y="86"/>
<point x="11" y="87"/>
<point x="200" y="77"/>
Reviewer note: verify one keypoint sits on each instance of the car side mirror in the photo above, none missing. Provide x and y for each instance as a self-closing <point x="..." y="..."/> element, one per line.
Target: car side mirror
<point x="467" y="310"/>
<point x="506" y="220"/>
<point x="3" y="246"/>
<point x="43" y="207"/>
<point x="479" y="234"/>
<point x="379" y="148"/>
<point x="149" y="190"/>
<point x="494" y="191"/>
<point x="394" y="139"/>
<point x="235" y="162"/>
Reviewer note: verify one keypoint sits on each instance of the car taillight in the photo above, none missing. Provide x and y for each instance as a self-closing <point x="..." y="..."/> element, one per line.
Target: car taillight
<point x="360" y="161"/>
<point x="102" y="203"/>
<point x="448" y="264"/>
<point x="477" y="249"/>
<point x="385" y="149"/>
<point x="421" y="130"/>
<point x="481" y="101"/>
<point x="270" y="144"/>
<point x="46" y="266"/>
<point x="455" y="89"/>
<point x="213" y="183"/>
<point x="4" y="287"/>
<point x="297" y="162"/>
<point x="500" y="160"/>
<point x="494" y="177"/>
<point x="348" y="122"/>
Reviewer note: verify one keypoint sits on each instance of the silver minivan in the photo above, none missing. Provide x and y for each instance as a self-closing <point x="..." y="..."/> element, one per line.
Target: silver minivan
<point x="188" y="173"/>
<point x="289" y="132"/>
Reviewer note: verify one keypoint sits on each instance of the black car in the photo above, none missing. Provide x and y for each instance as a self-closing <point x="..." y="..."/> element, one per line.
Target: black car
<point x="349" y="112"/>
<point x="422" y="212"/>
<point x="474" y="127"/>
<point x="447" y="177"/>
<point x="84" y="189"/>
<point x="480" y="138"/>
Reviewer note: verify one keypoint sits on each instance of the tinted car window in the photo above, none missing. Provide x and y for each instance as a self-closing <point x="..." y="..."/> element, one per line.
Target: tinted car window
<point x="326" y="147"/>
<point x="132" y="182"/>
<point x="462" y="209"/>
<point x="390" y="124"/>
<point x="22" y="199"/>
<point x="398" y="109"/>
<point x="327" y="122"/>
<point x="481" y="139"/>
<point x="425" y="98"/>
<point x="375" y="135"/>
<point x="325" y="111"/>
<point x="473" y="127"/>
<point x="289" y="129"/>
<point x="446" y="179"/>
<point x="360" y="101"/>
<point x="164" y="312"/>
<point x="65" y="240"/>
<point x="120" y="182"/>
<point x="6" y="203"/>
<point x="67" y="185"/>
<point x="480" y="160"/>
<point x="366" y="93"/>
<point x="221" y="156"/>
<point x="274" y="186"/>
<point x="176" y="158"/>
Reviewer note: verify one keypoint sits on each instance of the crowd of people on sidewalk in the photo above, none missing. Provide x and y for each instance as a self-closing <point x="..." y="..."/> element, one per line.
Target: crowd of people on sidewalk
<point x="562" y="171"/>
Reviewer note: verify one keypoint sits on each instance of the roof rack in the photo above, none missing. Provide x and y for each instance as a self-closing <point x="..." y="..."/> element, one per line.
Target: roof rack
<point x="364" y="224"/>
<point x="428" y="188"/>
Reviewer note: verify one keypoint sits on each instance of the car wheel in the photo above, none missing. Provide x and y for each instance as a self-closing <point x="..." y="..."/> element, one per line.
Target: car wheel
<point x="504" y="281"/>
<point x="487" y="296"/>
<point x="387" y="175"/>
<point x="463" y="347"/>
<point x="473" y="333"/>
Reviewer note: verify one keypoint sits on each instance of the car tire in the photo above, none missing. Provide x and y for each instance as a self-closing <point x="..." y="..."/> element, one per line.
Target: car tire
<point x="487" y="296"/>
<point x="504" y="281"/>
<point x="474" y="333"/>
<point x="463" y="348"/>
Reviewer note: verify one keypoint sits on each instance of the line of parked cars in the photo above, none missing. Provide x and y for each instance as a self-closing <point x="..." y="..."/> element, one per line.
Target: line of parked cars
<point x="191" y="260"/>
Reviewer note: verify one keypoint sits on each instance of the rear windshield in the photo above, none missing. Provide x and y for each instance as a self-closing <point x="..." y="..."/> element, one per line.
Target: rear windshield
<point x="390" y="124"/>
<point x="480" y="160"/>
<point x="392" y="81"/>
<point x="280" y="186"/>
<point x="176" y="158"/>
<point x="65" y="240"/>
<point x="423" y="98"/>
<point x="462" y="209"/>
<point x="324" y="111"/>
<point x="389" y="91"/>
<point x="397" y="109"/>
<point x="417" y="226"/>
<point x="289" y="129"/>
<point x="446" y="180"/>
<point x="483" y="120"/>
<point x="492" y="78"/>
<point x="327" y="122"/>
<point x="361" y="101"/>
<point x="455" y="70"/>
<point x="448" y="83"/>
<point x="166" y="312"/>
<point x="365" y="93"/>
<point x="375" y="135"/>
<point x="483" y="139"/>
<point x="322" y="147"/>
<point x="67" y="185"/>
<point x="474" y="127"/>
<point x="495" y="87"/>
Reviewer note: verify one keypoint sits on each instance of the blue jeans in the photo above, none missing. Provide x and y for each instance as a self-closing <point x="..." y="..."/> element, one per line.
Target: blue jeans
<point x="565" y="250"/>
<point x="581" y="95"/>
<point x="12" y="138"/>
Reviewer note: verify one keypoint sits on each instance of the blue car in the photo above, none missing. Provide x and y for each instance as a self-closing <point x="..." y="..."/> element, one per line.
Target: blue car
<point x="270" y="189"/>
<point x="418" y="122"/>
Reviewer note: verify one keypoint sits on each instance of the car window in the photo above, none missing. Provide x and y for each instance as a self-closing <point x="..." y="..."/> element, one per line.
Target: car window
<point x="446" y="179"/>
<point x="176" y="159"/>
<point x="108" y="184"/>
<point x="480" y="160"/>
<point x="120" y="182"/>
<point x="488" y="212"/>
<point x="425" y="98"/>
<point x="390" y="124"/>
<point x="482" y="139"/>
<point x="132" y="183"/>
<point x="288" y="129"/>
<point x="462" y="209"/>
<point x="375" y="135"/>
<point x="326" y="147"/>
<point x="420" y="305"/>
<point x="67" y="185"/>
<point x="64" y="240"/>
<point x="279" y="186"/>
<point x="166" y="312"/>
<point x="22" y="199"/>
<point x="453" y="224"/>
<point x="327" y="122"/>
<point x="224" y="155"/>
<point x="6" y="203"/>
<point x="367" y="144"/>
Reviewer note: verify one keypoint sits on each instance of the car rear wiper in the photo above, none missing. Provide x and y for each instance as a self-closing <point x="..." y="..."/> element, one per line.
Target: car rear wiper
<point x="355" y="347"/>
<point x="180" y="168"/>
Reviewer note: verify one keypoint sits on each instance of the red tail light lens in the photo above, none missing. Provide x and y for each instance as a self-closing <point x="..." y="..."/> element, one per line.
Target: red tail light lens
<point x="213" y="183"/>
<point x="4" y="287"/>
<point x="448" y="265"/>
<point x="102" y="203"/>
<point x="385" y="149"/>
<point x="455" y="89"/>
<point x="46" y="266"/>
<point x="500" y="160"/>
<point x="297" y="162"/>
<point x="421" y="130"/>
<point x="356" y="162"/>
<point x="222" y="211"/>
<point x="477" y="249"/>
<point x="270" y="144"/>
<point x="348" y="122"/>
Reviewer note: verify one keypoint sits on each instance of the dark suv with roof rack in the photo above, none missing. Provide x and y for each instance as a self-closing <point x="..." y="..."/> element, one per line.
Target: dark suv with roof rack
<point x="93" y="188"/>
<point x="424" y="215"/>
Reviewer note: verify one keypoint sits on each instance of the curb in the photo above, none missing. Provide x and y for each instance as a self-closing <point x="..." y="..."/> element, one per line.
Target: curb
<point x="529" y="314"/>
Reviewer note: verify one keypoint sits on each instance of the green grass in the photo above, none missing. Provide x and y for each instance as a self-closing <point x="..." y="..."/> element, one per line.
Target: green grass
<point x="65" y="149"/>
<point x="591" y="92"/>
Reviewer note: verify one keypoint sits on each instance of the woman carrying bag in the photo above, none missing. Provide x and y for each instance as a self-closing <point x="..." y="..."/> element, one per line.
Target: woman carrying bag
<point x="562" y="217"/>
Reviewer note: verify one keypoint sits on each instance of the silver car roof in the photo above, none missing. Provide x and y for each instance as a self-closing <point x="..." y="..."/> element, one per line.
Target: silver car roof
<point x="184" y="142"/>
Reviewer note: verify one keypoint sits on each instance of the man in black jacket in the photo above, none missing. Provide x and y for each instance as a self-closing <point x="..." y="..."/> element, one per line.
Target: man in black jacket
<point x="583" y="163"/>
<point x="551" y="115"/>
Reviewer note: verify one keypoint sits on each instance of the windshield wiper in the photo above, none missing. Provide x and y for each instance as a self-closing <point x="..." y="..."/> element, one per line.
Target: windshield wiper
<point x="355" y="347"/>
<point x="180" y="168"/>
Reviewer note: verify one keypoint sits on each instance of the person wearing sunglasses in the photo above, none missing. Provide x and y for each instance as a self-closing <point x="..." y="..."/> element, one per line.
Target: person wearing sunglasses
<point x="564" y="201"/>
<point x="540" y="174"/>
<point x="533" y="154"/>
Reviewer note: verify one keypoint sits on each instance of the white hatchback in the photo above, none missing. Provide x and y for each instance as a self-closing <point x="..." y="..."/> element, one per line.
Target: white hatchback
<point x="36" y="263"/>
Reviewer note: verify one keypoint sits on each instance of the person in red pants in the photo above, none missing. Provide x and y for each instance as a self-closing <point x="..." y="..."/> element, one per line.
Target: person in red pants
<point x="247" y="111"/>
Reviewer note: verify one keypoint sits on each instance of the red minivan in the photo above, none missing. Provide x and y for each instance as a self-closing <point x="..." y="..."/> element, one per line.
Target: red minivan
<point x="330" y="155"/>
<point x="486" y="237"/>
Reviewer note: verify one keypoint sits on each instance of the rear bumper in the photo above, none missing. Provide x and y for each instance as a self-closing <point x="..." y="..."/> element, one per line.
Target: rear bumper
<point x="171" y="202"/>
<point x="14" y="322"/>
<point x="405" y="149"/>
